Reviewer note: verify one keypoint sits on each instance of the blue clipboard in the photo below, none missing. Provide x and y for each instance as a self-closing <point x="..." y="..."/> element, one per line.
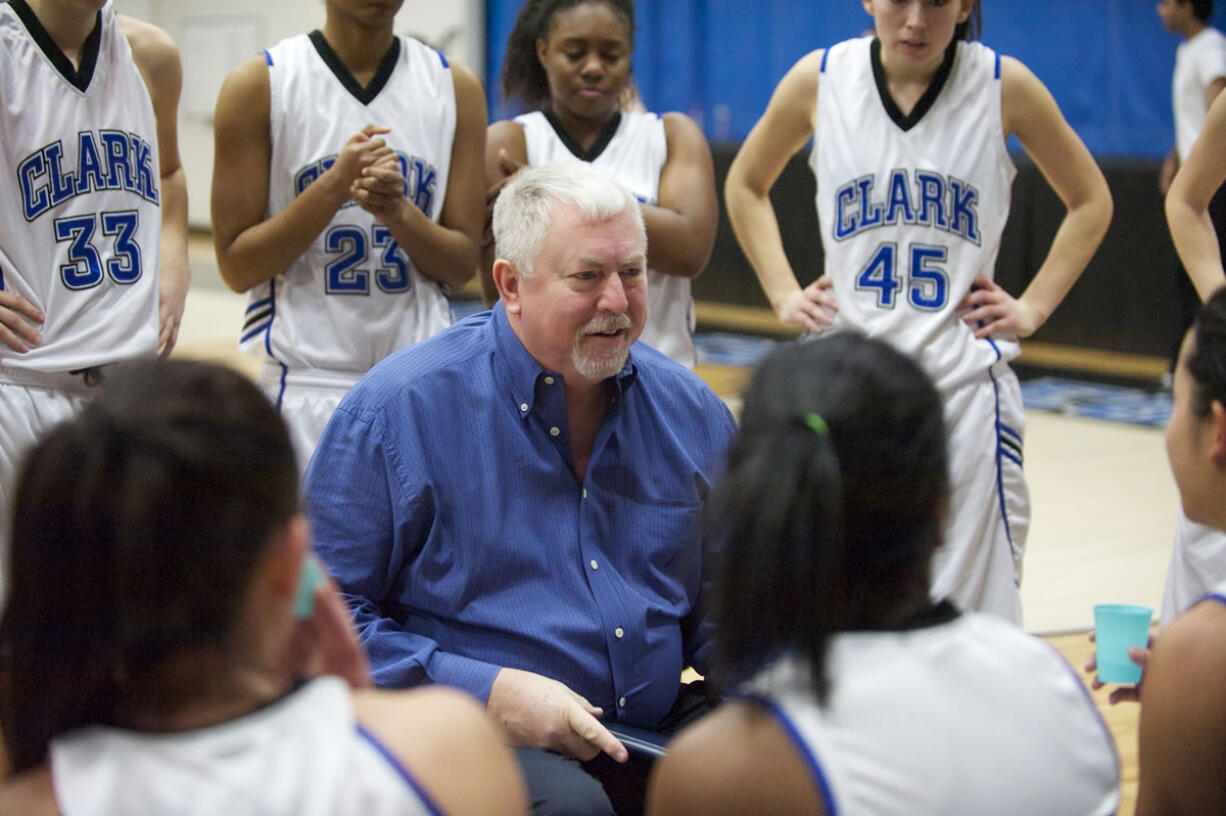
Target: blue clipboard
<point x="640" y="740"/>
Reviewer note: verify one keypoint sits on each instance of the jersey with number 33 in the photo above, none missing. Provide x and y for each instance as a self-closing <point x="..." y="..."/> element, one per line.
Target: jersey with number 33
<point x="912" y="207"/>
<point x="80" y="220"/>
<point x="354" y="296"/>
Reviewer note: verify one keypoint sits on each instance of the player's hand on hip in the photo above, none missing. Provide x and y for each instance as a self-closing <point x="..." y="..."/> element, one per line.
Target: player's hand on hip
<point x="812" y="308"/>
<point x="538" y="712"/>
<point x="18" y="318"/>
<point x="990" y="310"/>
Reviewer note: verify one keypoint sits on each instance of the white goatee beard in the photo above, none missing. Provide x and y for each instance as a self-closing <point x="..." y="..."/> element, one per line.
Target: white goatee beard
<point x="601" y="366"/>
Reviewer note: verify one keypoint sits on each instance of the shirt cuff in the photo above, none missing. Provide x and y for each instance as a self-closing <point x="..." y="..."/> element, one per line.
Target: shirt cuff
<point x="474" y="676"/>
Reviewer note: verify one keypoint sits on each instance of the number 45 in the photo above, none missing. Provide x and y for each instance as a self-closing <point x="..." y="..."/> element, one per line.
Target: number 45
<point x="928" y="287"/>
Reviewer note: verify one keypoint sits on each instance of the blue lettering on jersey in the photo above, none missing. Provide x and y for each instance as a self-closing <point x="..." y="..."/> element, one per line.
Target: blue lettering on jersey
<point x="420" y="179"/>
<point x="106" y="160"/>
<point x="926" y="199"/>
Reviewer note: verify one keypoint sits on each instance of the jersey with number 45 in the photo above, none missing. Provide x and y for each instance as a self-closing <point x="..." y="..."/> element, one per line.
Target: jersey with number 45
<point x="80" y="221"/>
<point x="354" y="296"/>
<point x="912" y="207"/>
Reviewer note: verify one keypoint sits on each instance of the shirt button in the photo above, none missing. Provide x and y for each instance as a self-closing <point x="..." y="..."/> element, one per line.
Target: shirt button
<point x="549" y="381"/>
<point x="585" y="492"/>
<point x="555" y="430"/>
<point x="523" y="406"/>
<point x="621" y="703"/>
<point x="594" y="564"/>
<point x="619" y="632"/>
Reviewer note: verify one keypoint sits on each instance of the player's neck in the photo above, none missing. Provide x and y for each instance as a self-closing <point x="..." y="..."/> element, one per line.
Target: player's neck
<point x="584" y="131"/>
<point x="361" y="49"/>
<point x="68" y="28"/>
<point x="1192" y="28"/>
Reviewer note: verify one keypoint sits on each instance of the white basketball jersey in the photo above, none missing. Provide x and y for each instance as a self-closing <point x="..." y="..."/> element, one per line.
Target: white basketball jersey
<point x="354" y="297"/>
<point x="970" y="716"/>
<point x="633" y="150"/>
<point x="912" y="208"/>
<point x="302" y="756"/>
<point x="80" y="220"/>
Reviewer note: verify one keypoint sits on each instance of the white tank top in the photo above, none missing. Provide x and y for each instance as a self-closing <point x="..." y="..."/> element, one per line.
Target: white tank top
<point x="633" y="150"/>
<point x="354" y="297"/>
<point x="303" y="756"/>
<point x="969" y="716"/>
<point x="80" y="221"/>
<point x="912" y="208"/>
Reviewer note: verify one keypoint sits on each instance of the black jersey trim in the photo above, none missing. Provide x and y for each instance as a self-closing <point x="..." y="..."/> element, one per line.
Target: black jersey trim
<point x="79" y="78"/>
<point x="926" y="101"/>
<point x="382" y="74"/>
<point x="602" y="140"/>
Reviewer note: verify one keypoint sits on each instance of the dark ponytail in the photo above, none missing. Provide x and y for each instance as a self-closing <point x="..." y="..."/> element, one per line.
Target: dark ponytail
<point x="1207" y="358"/>
<point x="523" y="77"/>
<point x="831" y="505"/>
<point x="136" y="530"/>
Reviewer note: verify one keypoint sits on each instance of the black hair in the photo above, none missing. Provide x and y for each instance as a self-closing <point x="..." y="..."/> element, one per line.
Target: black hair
<point x="828" y="522"/>
<point x="136" y="531"/>
<point x="522" y="73"/>
<point x="1201" y="9"/>
<point x="1207" y="357"/>
<point x="972" y="29"/>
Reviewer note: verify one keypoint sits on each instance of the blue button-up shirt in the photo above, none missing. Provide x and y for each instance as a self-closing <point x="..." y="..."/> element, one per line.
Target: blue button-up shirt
<point x="444" y="503"/>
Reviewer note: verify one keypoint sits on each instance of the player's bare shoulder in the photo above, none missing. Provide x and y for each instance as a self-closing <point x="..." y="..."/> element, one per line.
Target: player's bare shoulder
<point x="153" y="50"/>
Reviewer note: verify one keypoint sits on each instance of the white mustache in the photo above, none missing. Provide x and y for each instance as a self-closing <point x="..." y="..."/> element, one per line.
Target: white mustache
<point x="607" y="323"/>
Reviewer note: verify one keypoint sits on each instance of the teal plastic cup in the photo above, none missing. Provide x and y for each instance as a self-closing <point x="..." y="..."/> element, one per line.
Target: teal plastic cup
<point x="1116" y="627"/>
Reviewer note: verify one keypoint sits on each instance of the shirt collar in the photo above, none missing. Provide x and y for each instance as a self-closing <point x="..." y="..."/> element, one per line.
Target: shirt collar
<point x="520" y="373"/>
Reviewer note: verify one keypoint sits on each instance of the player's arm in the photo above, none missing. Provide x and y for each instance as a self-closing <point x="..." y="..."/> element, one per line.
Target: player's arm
<point x="449" y="745"/>
<point x="506" y="151"/>
<point x="1030" y="113"/>
<point x="736" y="761"/>
<point x="784" y="128"/>
<point x="250" y="249"/>
<point x="446" y="251"/>
<point x="157" y="58"/>
<point x="1182" y="733"/>
<point x="681" y="229"/>
<point x="1187" y="204"/>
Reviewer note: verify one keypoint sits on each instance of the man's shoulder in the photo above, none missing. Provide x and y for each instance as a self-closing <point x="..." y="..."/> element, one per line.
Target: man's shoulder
<point x="423" y="366"/>
<point x="659" y="373"/>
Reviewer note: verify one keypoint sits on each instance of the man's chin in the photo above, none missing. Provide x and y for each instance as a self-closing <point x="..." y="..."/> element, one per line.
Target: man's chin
<point x="601" y="366"/>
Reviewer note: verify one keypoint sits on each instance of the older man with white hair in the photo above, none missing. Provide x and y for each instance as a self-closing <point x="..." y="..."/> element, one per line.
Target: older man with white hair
<point x="514" y="506"/>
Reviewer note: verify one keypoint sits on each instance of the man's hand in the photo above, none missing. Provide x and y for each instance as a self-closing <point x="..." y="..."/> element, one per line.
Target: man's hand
<point x="17" y="319"/>
<point x="537" y="712"/>
<point x="813" y="307"/>
<point x="998" y="311"/>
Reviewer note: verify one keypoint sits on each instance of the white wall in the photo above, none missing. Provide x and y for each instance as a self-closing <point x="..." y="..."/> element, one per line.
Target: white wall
<point x="216" y="35"/>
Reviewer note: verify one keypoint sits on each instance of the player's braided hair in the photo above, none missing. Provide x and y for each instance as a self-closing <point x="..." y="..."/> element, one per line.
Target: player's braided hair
<point x="1207" y="358"/>
<point x="137" y="529"/>
<point x="831" y="505"/>
<point x="522" y="74"/>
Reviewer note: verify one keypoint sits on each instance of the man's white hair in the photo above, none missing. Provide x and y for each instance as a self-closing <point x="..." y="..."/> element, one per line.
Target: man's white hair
<point x="525" y="209"/>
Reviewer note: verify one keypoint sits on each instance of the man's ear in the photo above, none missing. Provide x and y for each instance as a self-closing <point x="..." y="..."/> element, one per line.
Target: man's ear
<point x="1217" y="412"/>
<point x="507" y="278"/>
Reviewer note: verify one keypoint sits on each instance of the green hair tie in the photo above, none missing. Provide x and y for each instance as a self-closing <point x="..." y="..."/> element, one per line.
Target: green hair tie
<point x="818" y="424"/>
